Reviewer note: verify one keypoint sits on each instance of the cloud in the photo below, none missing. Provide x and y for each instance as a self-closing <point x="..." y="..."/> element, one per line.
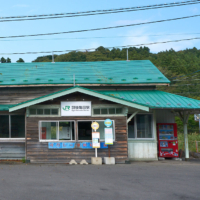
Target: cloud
<point x="21" y="6"/>
<point x="143" y="36"/>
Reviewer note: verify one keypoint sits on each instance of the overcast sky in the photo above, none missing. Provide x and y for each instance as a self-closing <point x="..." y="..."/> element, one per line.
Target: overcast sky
<point x="187" y="28"/>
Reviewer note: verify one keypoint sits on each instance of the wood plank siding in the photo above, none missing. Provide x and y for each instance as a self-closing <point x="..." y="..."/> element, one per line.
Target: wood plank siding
<point x="12" y="151"/>
<point x="12" y="95"/>
<point x="38" y="152"/>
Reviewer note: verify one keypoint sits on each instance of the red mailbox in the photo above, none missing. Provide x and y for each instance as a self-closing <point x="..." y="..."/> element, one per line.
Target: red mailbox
<point x="167" y="140"/>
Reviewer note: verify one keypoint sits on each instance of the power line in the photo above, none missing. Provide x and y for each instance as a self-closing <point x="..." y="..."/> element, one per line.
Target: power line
<point x="100" y="37"/>
<point x="188" y="92"/>
<point x="184" y="75"/>
<point x="97" y="29"/>
<point x="189" y="84"/>
<point x="96" y="12"/>
<point x="92" y="49"/>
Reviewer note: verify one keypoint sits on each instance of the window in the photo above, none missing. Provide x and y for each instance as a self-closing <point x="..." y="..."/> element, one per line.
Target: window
<point x="107" y="111"/>
<point x="57" y="130"/>
<point x="140" y="127"/>
<point x="104" y="111"/>
<point x="144" y="126"/>
<point x="131" y="128"/>
<point x="101" y="129"/>
<point x="45" y="111"/>
<point x="85" y="130"/>
<point x="17" y="126"/>
<point x="97" y="111"/>
<point x="4" y="126"/>
<point x="12" y="126"/>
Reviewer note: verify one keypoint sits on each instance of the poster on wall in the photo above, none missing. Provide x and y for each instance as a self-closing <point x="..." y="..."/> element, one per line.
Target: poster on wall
<point x="96" y="140"/>
<point x="76" y="108"/>
<point x="108" y="136"/>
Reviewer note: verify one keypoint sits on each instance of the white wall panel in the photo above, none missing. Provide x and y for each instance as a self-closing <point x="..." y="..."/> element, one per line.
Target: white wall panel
<point x="142" y="150"/>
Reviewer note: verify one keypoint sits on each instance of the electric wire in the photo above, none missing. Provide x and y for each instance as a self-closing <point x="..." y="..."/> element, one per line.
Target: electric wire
<point x="100" y="37"/>
<point x="97" y="29"/>
<point x="92" y="49"/>
<point x="96" y="12"/>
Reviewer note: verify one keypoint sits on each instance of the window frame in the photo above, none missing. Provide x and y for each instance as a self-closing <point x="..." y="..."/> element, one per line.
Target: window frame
<point x="43" y="107"/>
<point x="135" y="128"/>
<point x="57" y="136"/>
<point x="14" y="139"/>
<point x="108" y="106"/>
<point x="102" y="140"/>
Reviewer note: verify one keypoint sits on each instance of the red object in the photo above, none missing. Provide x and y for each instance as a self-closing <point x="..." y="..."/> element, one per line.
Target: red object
<point x="167" y="140"/>
<point x="44" y="130"/>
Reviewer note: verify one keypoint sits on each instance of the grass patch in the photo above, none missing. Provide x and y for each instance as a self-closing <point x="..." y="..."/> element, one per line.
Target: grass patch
<point x="23" y="160"/>
<point x="192" y="138"/>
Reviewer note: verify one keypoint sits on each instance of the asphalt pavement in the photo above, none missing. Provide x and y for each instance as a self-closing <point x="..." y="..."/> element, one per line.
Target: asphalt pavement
<point x="162" y="180"/>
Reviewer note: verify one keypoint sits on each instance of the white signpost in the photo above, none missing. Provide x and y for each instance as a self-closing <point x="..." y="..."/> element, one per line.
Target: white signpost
<point x="108" y="140"/>
<point x="76" y="108"/>
<point x="95" y="137"/>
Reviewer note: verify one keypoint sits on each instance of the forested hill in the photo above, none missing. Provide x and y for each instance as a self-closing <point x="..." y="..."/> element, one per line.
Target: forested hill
<point x="180" y="67"/>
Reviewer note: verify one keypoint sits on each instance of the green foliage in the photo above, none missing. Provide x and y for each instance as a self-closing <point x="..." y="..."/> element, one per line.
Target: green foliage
<point x="193" y="126"/>
<point x="178" y="66"/>
<point x="3" y="60"/>
<point x="23" y="160"/>
<point x="192" y="138"/>
<point x="20" y="60"/>
<point x="100" y="54"/>
<point x="8" y="60"/>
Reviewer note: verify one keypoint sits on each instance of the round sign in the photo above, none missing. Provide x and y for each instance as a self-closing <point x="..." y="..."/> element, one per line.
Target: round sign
<point x="108" y="122"/>
<point x="95" y="125"/>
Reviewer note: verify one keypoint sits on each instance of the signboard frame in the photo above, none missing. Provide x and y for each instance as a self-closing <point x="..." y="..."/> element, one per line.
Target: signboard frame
<point x="76" y="108"/>
<point x="109" y="139"/>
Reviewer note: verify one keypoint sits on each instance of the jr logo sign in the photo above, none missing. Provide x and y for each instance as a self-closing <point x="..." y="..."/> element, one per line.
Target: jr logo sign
<point x="66" y="108"/>
<point x="76" y="108"/>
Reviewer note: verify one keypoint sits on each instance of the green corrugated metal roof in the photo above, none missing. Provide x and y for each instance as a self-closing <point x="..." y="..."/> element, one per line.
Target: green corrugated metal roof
<point x="146" y="98"/>
<point x="156" y="99"/>
<point x="100" y="72"/>
<point x="5" y="107"/>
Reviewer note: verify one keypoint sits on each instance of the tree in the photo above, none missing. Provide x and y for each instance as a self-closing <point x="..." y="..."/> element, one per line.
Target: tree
<point x="8" y="60"/>
<point x="3" y="60"/>
<point x="20" y="60"/>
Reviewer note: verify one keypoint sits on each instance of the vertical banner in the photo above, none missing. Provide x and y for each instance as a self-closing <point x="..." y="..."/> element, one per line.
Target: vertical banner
<point x="108" y="136"/>
<point x="96" y="140"/>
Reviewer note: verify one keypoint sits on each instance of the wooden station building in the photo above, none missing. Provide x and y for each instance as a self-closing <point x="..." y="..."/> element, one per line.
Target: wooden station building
<point x="46" y="110"/>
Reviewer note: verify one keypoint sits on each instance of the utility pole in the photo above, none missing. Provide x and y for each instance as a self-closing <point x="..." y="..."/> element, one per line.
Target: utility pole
<point x="52" y="57"/>
<point x="127" y="54"/>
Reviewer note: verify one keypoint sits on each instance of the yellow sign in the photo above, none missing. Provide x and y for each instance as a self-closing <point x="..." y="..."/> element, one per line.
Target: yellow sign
<point x="95" y="126"/>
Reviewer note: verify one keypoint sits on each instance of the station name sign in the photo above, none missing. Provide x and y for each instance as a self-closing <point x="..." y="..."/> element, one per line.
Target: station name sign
<point x="76" y="108"/>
